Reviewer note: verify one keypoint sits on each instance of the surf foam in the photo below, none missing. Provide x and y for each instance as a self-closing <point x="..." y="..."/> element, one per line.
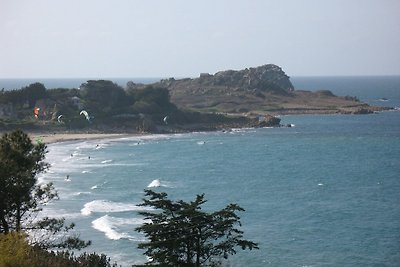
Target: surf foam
<point x="108" y="206"/>
<point x="155" y="183"/>
<point x="109" y="225"/>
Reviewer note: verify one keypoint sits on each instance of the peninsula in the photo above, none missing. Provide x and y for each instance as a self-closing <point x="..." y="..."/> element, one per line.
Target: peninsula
<point x="227" y="99"/>
<point x="262" y="90"/>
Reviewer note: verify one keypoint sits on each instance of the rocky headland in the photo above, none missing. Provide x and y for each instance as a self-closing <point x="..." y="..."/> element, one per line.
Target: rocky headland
<point x="256" y="91"/>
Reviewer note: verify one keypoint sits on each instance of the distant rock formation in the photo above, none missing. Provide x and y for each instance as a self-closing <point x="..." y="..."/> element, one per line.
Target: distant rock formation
<point x="264" y="78"/>
<point x="268" y="121"/>
<point x="254" y="92"/>
<point x="228" y="91"/>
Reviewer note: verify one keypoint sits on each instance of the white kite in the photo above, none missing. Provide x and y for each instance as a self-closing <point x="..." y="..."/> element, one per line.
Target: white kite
<point x="84" y="112"/>
<point x="166" y="120"/>
<point x="59" y="118"/>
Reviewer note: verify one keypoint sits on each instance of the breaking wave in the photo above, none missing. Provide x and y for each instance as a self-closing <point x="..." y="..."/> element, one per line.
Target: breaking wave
<point x="110" y="226"/>
<point x="108" y="206"/>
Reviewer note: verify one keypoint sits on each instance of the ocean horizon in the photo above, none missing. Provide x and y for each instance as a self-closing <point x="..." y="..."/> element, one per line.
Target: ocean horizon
<point x="322" y="193"/>
<point x="300" y="82"/>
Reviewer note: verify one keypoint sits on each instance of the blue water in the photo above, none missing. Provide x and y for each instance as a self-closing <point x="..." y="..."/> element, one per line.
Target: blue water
<point x="368" y="89"/>
<point x="323" y="193"/>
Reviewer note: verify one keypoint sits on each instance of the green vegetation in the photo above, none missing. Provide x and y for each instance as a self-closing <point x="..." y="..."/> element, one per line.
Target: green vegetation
<point x="15" y="251"/>
<point x="110" y="108"/>
<point x="21" y="197"/>
<point x="20" y="162"/>
<point x="179" y="233"/>
<point x="103" y="99"/>
<point x="25" y="96"/>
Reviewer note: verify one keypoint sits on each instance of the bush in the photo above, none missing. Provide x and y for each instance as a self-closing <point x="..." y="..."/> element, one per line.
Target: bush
<point x="15" y="251"/>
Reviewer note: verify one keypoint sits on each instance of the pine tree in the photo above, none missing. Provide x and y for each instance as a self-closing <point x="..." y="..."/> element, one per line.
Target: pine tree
<point x="21" y="197"/>
<point x="179" y="233"/>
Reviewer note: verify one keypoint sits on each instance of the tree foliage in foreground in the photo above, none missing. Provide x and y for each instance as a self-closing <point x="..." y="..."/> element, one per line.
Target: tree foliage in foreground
<point x="16" y="251"/>
<point x="179" y="233"/>
<point x="21" y="197"/>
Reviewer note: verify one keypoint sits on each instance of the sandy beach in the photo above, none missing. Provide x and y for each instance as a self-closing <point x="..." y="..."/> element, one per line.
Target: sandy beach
<point x="63" y="137"/>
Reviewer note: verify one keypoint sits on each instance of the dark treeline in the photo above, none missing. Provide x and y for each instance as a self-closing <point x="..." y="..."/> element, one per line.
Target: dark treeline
<point x="109" y="107"/>
<point x="103" y="98"/>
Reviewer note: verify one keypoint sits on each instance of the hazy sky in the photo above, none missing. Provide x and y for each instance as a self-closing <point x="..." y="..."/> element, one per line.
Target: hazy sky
<point x="170" y="38"/>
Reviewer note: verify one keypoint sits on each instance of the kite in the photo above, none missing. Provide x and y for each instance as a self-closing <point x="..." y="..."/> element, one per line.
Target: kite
<point x="36" y="112"/>
<point x="59" y="118"/>
<point x="84" y="112"/>
<point x="166" y="120"/>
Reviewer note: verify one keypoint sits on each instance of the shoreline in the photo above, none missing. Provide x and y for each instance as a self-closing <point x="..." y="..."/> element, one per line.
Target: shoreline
<point x="66" y="137"/>
<point x="52" y="137"/>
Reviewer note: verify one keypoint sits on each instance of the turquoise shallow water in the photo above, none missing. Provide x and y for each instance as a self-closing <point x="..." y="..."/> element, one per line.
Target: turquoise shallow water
<point x="323" y="193"/>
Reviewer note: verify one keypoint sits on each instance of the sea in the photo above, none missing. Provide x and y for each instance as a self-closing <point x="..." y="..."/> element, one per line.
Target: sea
<point x="325" y="192"/>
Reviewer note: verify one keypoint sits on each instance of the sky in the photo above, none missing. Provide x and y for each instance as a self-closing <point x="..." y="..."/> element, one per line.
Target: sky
<point x="181" y="38"/>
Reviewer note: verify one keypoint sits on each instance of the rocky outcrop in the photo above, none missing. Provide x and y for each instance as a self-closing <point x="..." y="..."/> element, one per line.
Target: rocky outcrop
<point x="260" y="91"/>
<point x="365" y="109"/>
<point x="268" y="121"/>
<point x="230" y="91"/>
<point x="264" y="78"/>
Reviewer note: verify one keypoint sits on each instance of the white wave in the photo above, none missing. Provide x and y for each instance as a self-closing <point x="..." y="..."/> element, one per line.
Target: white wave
<point x="97" y="186"/>
<point x="86" y="172"/>
<point x="108" y="206"/>
<point x="89" y="144"/>
<point x="320" y="184"/>
<point x="101" y="146"/>
<point x="237" y="130"/>
<point x="145" y="139"/>
<point x="107" y="161"/>
<point x="201" y="142"/>
<point x="58" y="213"/>
<point x="109" y="226"/>
<point x="104" y="225"/>
<point x="155" y="183"/>
<point x="159" y="183"/>
<point x="135" y="143"/>
<point x="82" y="193"/>
<point x="167" y="184"/>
